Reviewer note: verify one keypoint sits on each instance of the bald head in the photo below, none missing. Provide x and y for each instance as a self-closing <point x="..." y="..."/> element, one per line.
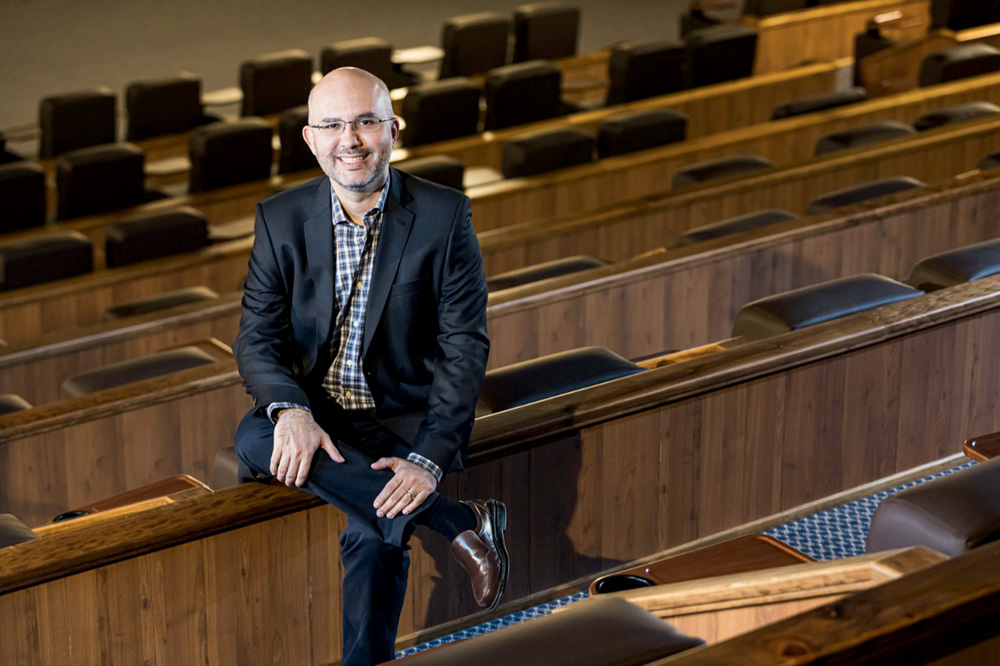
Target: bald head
<point x="349" y="82"/>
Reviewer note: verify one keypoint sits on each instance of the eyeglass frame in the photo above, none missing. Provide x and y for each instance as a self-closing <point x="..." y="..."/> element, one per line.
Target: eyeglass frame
<point x="353" y="125"/>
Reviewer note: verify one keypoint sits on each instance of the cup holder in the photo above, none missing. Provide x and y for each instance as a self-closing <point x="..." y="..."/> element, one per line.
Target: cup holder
<point x="69" y="515"/>
<point x="621" y="582"/>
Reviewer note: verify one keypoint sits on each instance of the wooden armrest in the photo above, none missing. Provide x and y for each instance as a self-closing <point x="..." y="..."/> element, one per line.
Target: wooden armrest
<point x="983" y="447"/>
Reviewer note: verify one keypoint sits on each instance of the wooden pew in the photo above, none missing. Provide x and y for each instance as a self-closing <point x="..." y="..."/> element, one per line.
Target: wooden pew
<point x="778" y="423"/>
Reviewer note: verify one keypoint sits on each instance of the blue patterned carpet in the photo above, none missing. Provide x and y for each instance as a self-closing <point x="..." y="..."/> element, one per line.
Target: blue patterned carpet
<point x="832" y="534"/>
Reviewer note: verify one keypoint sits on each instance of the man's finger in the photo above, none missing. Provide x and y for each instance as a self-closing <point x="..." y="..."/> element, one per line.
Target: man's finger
<point x="418" y="499"/>
<point x="330" y="449"/>
<point x="383" y="463"/>
<point x="383" y="497"/>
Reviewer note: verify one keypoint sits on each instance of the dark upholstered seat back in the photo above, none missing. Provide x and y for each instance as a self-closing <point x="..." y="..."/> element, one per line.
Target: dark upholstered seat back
<point x="720" y="53"/>
<point x="735" y="225"/>
<point x="547" y="151"/>
<point x="771" y="7"/>
<point x="962" y="14"/>
<point x="163" y="106"/>
<point x="959" y="113"/>
<point x="543" y="271"/>
<point x="295" y="154"/>
<point x="547" y="376"/>
<point x="13" y="531"/>
<point x="76" y="120"/>
<point x="959" y="62"/>
<point x="639" y="130"/>
<point x="473" y="44"/>
<point x="11" y="402"/>
<point x="723" y="167"/>
<point x="819" y="102"/>
<point x="818" y="303"/>
<point x="228" y="153"/>
<point x="964" y="264"/>
<point x="440" y="110"/>
<point x="441" y="169"/>
<point x="22" y="196"/>
<point x="587" y="633"/>
<point x="859" y="193"/>
<point x="134" y="370"/>
<point x="163" y="301"/>
<point x="950" y="514"/>
<point x="545" y="30"/>
<point x="154" y="235"/>
<point x="860" y="136"/>
<point x="522" y="93"/>
<point x="371" y="54"/>
<point x="641" y="69"/>
<point x="51" y="257"/>
<point x="275" y="82"/>
<point x="100" y="178"/>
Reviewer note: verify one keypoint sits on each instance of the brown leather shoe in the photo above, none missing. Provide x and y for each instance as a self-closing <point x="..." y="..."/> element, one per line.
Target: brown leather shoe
<point x="482" y="552"/>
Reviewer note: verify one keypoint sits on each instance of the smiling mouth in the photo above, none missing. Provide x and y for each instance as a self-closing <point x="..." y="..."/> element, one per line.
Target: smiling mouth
<point x="352" y="159"/>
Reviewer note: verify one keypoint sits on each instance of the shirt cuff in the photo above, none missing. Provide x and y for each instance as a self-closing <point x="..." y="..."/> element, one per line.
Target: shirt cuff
<point x="275" y="407"/>
<point x="429" y="465"/>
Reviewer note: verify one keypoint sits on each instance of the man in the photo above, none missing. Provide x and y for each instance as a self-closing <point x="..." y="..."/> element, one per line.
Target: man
<point x="363" y="344"/>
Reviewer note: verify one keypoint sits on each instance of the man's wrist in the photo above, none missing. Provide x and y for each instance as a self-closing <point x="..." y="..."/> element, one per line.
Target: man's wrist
<point x="275" y="409"/>
<point x="427" y="464"/>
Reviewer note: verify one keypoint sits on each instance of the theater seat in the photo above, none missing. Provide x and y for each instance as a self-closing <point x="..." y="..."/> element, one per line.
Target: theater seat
<point x="723" y="167"/>
<point x="163" y="301"/>
<point x="543" y="271"/>
<point x="229" y="153"/>
<point x="11" y="402"/>
<point x="164" y="106"/>
<point x="522" y="93"/>
<point x="295" y="154"/>
<point x="965" y="264"/>
<point x="371" y="54"/>
<point x="640" y="130"/>
<point x="441" y="169"/>
<point x="547" y="376"/>
<point x="955" y="114"/>
<point x="601" y="631"/>
<point x="950" y="514"/>
<point x="274" y="82"/>
<point x="959" y="62"/>
<point x="76" y="120"/>
<point x="546" y="31"/>
<point x="860" y="136"/>
<point x="22" y="196"/>
<point x="641" y="69"/>
<point x="43" y="259"/>
<point x="818" y="303"/>
<point x="820" y="102"/>
<point x="852" y="195"/>
<point x="720" y="53"/>
<point x="154" y="235"/>
<point x="6" y="156"/>
<point x="134" y="370"/>
<point x="735" y="225"/>
<point x="100" y="178"/>
<point x="13" y="531"/>
<point x="547" y="151"/>
<point x="473" y="44"/>
<point x="440" y="110"/>
<point x="962" y="14"/>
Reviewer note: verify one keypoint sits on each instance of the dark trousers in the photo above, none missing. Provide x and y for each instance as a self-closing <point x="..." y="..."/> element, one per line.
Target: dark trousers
<point x="372" y="549"/>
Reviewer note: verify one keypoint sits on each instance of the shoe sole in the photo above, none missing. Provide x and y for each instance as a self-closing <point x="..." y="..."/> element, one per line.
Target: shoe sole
<point x="498" y="516"/>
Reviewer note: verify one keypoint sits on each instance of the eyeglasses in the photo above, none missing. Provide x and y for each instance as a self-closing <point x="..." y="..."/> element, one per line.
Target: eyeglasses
<point x="361" y="125"/>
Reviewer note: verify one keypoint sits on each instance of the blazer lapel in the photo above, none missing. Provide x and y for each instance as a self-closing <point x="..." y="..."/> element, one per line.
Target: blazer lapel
<point x="319" y="239"/>
<point x="397" y="222"/>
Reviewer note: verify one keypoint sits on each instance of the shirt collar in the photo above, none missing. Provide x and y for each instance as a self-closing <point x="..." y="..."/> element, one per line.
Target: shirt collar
<point x="340" y="217"/>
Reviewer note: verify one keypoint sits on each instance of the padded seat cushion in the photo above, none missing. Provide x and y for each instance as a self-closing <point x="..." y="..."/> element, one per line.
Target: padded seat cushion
<point x="162" y="301"/>
<point x="76" y="120"/>
<point x="473" y="44"/>
<point x="719" y="53"/>
<point x="134" y="370"/>
<point x="959" y="62"/>
<point x="51" y="257"/>
<point x="955" y="114"/>
<point x="547" y="151"/>
<point x="22" y="196"/>
<point x="543" y="271"/>
<point x="11" y="402"/>
<point x="163" y="106"/>
<point x="440" y="110"/>
<point x="641" y="69"/>
<point x="522" y="93"/>
<point x="820" y="102"/>
<point x="600" y="631"/>
<point x="547" y="376"/>
<point x="723" y="167"/>
<point x="275" y="82"/>
<point x="100" y="178"/>
<point x="371" y="54"/>
<point x="629" y="132"/>
<point x="441" y="169"/>
<point x="859" y="193"/>
<point x="965" y="264"/>
<point x="155" y="235"/>
<point x="818" y="303"/>
<point x="860" y="136"/>
<point x="735" y="225"/>
<point x="229" y="153"/>
<point x="950" y="514"/>
<point x="545" y="30"/>
<point x="13" y="531"/>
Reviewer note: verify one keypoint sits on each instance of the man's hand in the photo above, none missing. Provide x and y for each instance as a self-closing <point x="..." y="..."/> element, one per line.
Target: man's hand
<point x="297" y="437"/>
<point x="406" y="490"/>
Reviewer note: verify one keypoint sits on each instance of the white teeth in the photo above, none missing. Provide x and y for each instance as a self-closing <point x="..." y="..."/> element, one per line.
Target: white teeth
<point x="351" y="160"/>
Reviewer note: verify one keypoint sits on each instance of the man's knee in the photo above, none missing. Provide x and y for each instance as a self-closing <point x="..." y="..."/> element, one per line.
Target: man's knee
<point x="255" y="441"/>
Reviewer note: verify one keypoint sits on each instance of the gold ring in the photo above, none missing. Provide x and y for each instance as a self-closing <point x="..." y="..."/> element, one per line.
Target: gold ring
<point x="412" y="497"/>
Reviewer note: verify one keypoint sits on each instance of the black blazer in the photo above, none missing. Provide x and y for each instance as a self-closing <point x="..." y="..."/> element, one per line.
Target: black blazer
<point x="425" y="343"/>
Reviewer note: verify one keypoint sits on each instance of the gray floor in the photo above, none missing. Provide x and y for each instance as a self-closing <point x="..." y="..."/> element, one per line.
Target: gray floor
<point x="53" y="46"/>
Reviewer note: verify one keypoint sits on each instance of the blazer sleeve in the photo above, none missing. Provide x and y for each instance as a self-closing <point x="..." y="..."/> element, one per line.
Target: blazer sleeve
<point x="264" y="348"/>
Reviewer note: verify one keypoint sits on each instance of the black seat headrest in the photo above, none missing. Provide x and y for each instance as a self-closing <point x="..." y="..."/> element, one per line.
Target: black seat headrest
<point x="955" y="114"/>
<point x="155" y="235"/>
<point x="229" y="153"/>
<point x="959" y="62"/>
<point x="859" y="193"/>
<point x="545" y="30"/>
<point x="22" y="196"/>
<point x="719" y="53"/>
<point x="964" y="264"/>
<point x="521" y="93"/>
<point x="860" y="136"/>
<point x="735" y="225"/>
<point x="164" y="301"/>
<point x="441" y="169"/>
<point x="440" y="110"/>
<point x="543" y="271"/>
<point x="134" y="370"/>
<point x="51" y="257"/>
<point x="371" y="54"/>
<point x="547" y="151"/>
<point x="473" y="44"/>
<point x="641" y="69"/>
<point x="163" y="106"/>
<point x="723" y="167"/>
<point x="275" y="81"/>
<point x="76" y="120"/>
<point x="639" y="130"/>
<point x="100" y="178"/>
<point x="819" y="102"/>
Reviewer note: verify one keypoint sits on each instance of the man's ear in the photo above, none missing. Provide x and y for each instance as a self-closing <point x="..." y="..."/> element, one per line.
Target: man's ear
<point x="394" y="129"/>
<point x="307" y="135"/>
